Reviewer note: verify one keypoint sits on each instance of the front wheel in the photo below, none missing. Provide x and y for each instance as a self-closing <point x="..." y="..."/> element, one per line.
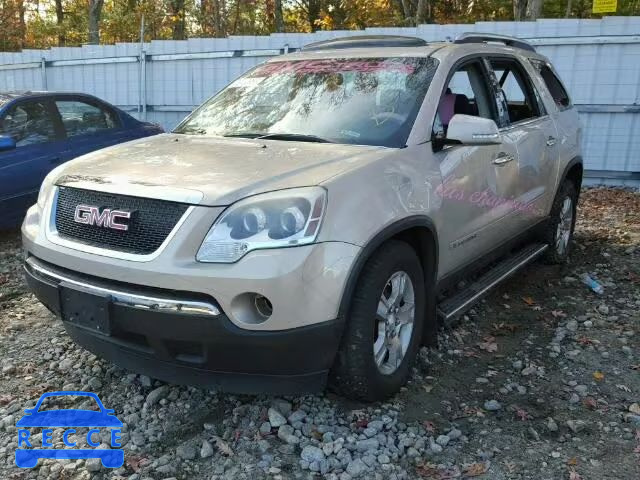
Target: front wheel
<point x="384" y="326"/>
<point x="559" y="230"/>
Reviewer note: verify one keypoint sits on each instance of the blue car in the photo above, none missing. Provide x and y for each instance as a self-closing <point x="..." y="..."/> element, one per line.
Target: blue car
<point x="103" y="417"/>
<point x="41" y="130"/>
<point x="68" y="417"/>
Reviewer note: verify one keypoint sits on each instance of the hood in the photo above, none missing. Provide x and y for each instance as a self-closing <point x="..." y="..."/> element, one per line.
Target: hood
<point x="210" y="170"/>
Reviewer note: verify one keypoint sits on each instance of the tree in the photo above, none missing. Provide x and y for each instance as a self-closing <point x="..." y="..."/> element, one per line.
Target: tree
<point x="279" y="18"/>
<point x="408" y="12"/>
<point x="423" y="12"/>
<point x="534" y="9"/>
<point x="95" y="10"/>
<point x="206" y="18"/>
<point x="22" y="25"/>
<point x="11" y="34"/>
<point x="519" y="9"/>
<point x="46" y="23"/>
<point x="62" y="40"/>
<point x="527" y="9"/>
<point x="309" y="12"/>
<point x="177" y="17"/>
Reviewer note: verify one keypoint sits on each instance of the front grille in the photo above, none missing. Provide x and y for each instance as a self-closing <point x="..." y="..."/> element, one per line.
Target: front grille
<point x="150" y="223"/>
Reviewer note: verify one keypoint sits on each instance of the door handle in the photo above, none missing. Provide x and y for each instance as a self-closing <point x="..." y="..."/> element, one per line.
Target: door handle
<point x="503" y="158"/>
<point x="551" y="141"/>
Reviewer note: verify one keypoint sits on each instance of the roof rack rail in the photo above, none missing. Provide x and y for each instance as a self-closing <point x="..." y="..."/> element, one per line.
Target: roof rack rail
<point x="473" y="37"/>
<point x="365" y="41"/>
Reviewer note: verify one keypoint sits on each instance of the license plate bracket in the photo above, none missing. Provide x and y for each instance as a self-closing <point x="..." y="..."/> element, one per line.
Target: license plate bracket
<point x="84" y="309"/>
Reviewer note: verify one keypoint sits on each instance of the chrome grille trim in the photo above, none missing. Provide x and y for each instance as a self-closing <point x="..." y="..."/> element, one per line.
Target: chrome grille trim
<point x="128" y="299"/>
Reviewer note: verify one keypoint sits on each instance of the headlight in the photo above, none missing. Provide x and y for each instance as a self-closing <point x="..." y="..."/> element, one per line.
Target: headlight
<point x="47" y="185"/>
<point x="287" y="218"/>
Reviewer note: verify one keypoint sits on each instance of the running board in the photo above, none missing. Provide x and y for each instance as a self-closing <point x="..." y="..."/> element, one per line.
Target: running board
<point x="461" y="301"/>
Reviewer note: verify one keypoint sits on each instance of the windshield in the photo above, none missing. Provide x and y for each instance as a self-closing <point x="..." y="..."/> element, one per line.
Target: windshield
<point x="365" y="101"/>
<point x="69" y="402"/>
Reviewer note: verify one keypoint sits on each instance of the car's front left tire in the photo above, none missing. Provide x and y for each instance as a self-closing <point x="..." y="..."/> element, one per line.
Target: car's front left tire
<point x="384" y="326"/>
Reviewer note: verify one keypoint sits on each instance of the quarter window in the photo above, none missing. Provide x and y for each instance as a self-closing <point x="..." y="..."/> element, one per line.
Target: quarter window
<point x="81" y="118"/>
<point x="518" y="92"/>
<point x="29" y="124"/>
<point x="557" y="91"/>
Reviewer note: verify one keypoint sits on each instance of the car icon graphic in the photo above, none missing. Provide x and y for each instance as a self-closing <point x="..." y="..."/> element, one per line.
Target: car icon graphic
<point x="104" y="417"/>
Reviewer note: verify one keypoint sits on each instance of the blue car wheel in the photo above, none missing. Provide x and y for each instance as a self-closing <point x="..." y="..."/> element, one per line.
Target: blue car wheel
<point x="112" y="458"/>
<point x="26" y="459"/>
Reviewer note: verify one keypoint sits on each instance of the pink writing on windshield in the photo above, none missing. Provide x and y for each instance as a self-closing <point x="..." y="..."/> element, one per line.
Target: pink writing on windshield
<point x="334" y="66"/>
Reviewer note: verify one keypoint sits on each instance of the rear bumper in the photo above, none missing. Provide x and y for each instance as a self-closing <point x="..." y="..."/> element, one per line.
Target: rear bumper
<point x="195" y="348"/>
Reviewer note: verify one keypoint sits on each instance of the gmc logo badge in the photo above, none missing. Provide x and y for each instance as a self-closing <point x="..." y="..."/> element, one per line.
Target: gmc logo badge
<point x="108" y="218"/>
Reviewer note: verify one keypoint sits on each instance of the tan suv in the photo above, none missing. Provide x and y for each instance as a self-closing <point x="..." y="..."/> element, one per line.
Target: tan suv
<point x="310" y="222"/>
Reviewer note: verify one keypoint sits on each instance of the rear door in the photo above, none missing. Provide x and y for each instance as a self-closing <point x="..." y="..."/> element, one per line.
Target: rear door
<point x="529" y="133"/>
<point x="561" y="110"/>
<point x="89" y="125"/>
<point x="39" y="145"/>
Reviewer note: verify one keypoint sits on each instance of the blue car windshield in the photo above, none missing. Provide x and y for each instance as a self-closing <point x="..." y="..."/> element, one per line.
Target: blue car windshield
<point x="365" y="101"/>
<point x="67" y="402"/>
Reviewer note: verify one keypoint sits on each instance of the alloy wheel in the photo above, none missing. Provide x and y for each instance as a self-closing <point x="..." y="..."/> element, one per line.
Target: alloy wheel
<point x="395" y="318"/>
<point x="565" y="223"/>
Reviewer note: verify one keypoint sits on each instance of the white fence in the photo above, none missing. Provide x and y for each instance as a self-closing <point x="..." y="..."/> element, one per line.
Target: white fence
<point x="162" y="81"/>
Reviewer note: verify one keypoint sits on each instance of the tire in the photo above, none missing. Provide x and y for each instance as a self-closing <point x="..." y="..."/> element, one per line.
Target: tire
<point x="355" y="373"/>
<point x="559" y="249"/>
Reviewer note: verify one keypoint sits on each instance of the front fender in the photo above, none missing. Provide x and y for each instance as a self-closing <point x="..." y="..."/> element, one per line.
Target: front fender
<point x="372" y="196"/>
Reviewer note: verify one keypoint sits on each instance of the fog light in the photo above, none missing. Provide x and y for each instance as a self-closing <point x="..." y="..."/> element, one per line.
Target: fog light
<point x="251" y="308"/>
<point x="263" y="306"/>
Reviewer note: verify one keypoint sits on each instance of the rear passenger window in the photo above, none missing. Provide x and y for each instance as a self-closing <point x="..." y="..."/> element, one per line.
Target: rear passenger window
<point x="519" y="94"/>
<point x="81" y="118"/>
<point x="557" y="91"/>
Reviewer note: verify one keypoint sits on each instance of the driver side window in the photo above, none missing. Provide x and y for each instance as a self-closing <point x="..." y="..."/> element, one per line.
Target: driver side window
<point x="466" y="93"/>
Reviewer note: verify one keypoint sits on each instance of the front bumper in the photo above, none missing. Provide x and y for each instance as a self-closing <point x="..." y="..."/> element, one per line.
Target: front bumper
<point x="304" y="284"/>
<point x="177" y="345"/>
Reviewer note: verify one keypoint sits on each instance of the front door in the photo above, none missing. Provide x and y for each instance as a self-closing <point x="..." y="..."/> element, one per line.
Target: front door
<point x="38" y="151"/>
<point x="477" y="181"/>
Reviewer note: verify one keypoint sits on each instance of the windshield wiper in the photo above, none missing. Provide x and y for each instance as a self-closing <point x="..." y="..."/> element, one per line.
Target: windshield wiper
<point x="195" y="131"/>
<point x="287" y="137"/>
<point x="295" y="137"/>
<point x="246" y="134"/>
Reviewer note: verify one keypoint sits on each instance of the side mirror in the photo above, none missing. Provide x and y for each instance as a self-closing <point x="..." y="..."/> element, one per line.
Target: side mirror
<point x="470" y="130"/>
<point x="7" y="143"/>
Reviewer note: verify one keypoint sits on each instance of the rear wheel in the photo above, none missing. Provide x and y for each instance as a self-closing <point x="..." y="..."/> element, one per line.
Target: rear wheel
<point x="559" y="230"/>
<point x="384" y="326"/>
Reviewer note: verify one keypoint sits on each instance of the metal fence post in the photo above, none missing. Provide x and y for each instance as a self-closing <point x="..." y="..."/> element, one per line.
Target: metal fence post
<point x="142" y="91"/>
<point x="43" y="70"/>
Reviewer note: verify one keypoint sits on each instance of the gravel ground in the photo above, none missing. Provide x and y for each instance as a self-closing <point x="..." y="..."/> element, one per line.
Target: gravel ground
<point x="540" y="381"/>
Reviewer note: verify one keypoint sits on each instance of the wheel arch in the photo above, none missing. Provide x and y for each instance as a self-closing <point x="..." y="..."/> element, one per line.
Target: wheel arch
<point x="573" y="171"/>
<point x="419" y="232"/>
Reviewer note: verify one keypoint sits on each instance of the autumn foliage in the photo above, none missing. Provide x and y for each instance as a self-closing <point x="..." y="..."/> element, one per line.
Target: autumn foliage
<point x="46" y="23"/>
